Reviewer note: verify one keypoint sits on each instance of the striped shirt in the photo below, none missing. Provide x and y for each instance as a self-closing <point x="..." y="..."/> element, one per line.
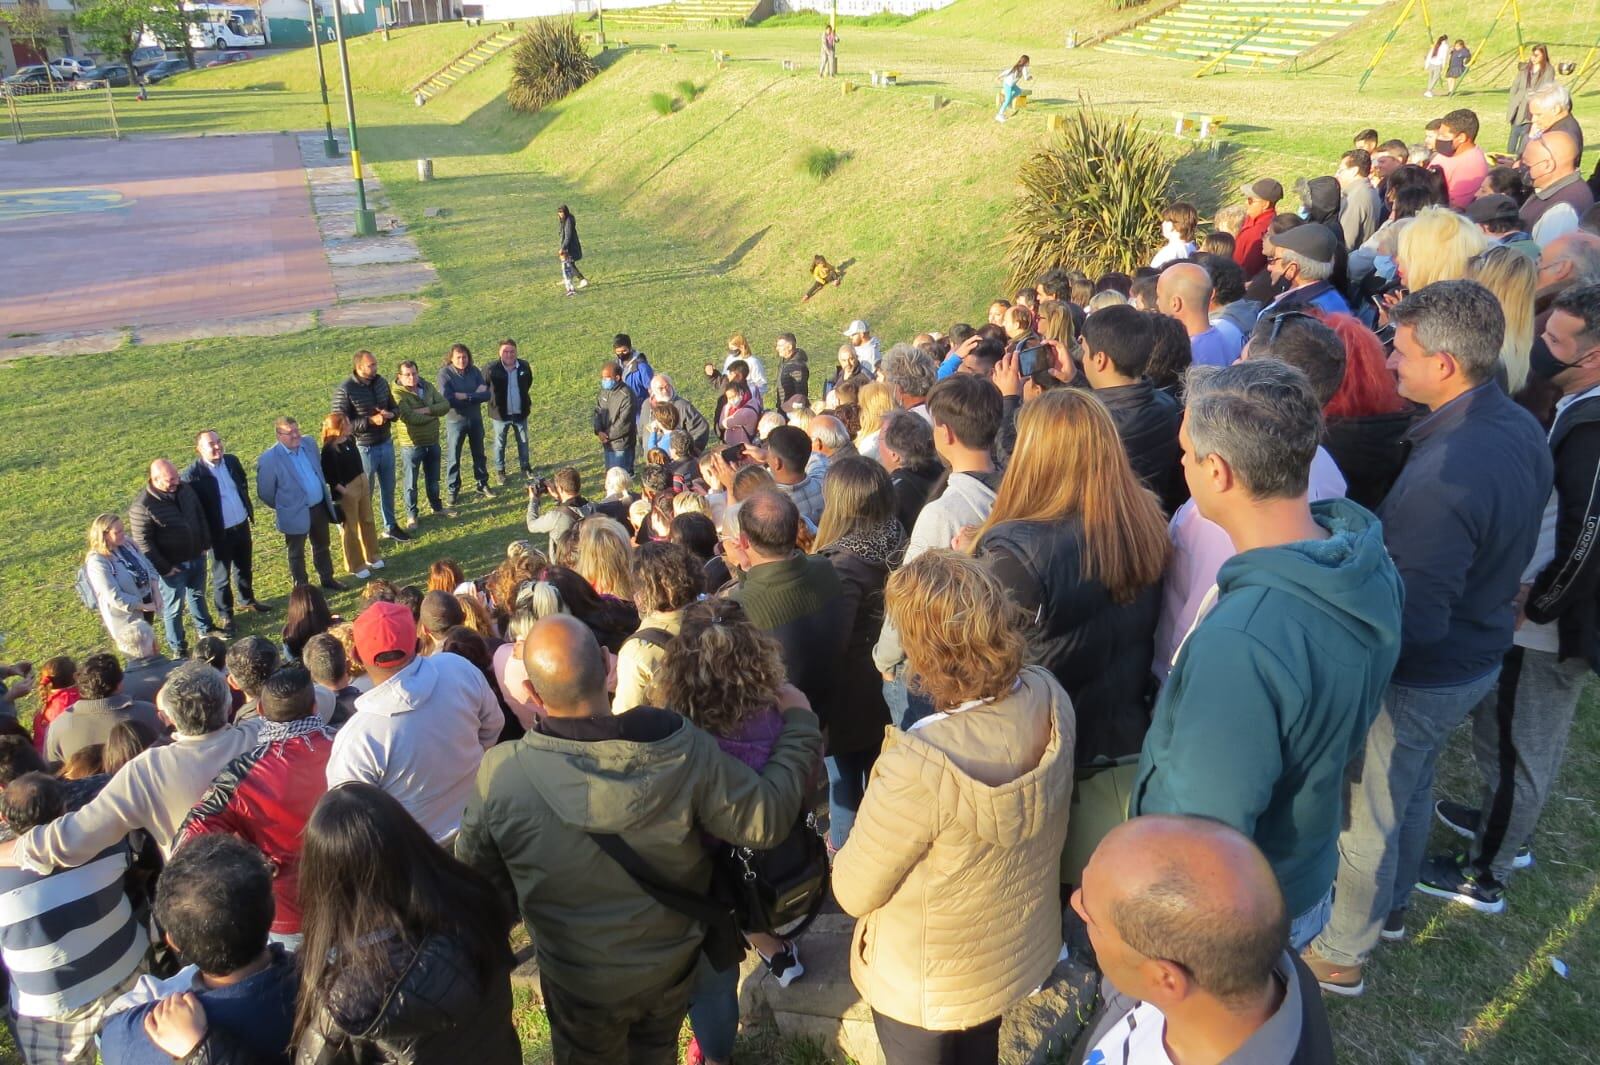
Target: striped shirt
<point x="68" y="937"/>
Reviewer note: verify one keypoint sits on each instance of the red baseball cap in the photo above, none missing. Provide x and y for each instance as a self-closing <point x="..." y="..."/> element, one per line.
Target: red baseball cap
<point x="386" y="634"/>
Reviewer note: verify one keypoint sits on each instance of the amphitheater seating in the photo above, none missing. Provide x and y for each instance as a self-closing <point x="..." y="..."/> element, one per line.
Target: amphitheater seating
<point x="1240" y="34"/>
<point x="684" y="13"/>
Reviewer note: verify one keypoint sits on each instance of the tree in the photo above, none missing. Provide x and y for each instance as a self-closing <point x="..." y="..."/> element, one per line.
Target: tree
<point x="34" y="24"/>
<point x="116" y="26"/>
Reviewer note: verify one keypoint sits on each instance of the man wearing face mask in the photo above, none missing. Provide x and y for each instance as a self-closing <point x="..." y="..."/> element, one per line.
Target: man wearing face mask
<point x="1520" y="732"/>
<point x="1304" y="257"/>
<point x="1456" y="153"/>
<point x="614" y="425"/>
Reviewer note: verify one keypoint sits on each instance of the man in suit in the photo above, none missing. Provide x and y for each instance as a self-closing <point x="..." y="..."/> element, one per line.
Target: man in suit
<point x="219" y="480"/>
<point x="289" y="480"/>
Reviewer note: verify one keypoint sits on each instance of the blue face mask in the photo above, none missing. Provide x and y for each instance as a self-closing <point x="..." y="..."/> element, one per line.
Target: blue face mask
<point x="608" y="383"/>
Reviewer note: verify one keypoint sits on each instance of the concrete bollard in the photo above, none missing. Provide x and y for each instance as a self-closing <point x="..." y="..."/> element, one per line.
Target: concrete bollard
<point x="424" y="169"/>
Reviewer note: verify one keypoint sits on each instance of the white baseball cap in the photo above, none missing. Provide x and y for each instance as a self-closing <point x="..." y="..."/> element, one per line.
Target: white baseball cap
<point x="857" y="326"/>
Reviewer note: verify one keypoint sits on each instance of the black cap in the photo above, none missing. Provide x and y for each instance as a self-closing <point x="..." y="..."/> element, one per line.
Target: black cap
<point x="1486" y="210"/>
<point x="1313" y="240"/>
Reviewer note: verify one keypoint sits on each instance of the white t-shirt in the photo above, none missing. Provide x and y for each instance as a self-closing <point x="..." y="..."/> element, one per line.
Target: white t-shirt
<point x="1137" y="1039"/>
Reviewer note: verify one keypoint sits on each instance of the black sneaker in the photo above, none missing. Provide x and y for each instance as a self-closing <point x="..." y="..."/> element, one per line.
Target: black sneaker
<point x="485" y="491"/>
<point x="395" y="533"/>
<point x="1446" y="877"/>
<point x="1463" y="820"/>
<point x="785" y="965"/>
<point x="1394" y="927"/>
<point x="333" y="586"/>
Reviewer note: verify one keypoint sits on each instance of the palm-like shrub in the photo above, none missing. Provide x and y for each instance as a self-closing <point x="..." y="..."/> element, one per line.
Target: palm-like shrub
<point x="662" y="103"/>
<point x="1089" y="199"/>
<point x="546" y="64"/>
<point x="820" y="163"/>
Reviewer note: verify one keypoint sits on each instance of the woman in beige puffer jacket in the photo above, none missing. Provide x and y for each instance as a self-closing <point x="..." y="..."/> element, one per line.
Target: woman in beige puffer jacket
<point x="953" y="863"/>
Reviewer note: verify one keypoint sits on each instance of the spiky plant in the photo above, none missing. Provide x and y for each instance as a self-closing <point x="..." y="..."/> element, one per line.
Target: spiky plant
<point x="662" y="103"/>
<point x="1089" y="199"/>
<point x="549" y="62"/>
<point x="688" y="90"/>
<point x="820" y="163"/>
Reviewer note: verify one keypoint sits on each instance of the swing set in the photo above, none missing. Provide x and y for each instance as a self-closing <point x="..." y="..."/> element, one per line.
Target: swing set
<point x="1580" y="76"/>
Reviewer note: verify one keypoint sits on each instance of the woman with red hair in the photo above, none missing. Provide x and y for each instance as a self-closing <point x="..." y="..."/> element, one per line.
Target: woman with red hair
<point x="1366" y="418"/>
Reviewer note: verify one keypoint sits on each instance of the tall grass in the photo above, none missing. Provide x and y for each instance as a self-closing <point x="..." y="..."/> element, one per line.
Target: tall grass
<point x="820" y="163"/>
<point x="662" y="103"/>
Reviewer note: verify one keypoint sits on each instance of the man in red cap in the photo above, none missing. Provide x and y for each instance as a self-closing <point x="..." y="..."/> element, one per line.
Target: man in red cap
<point x="421" y="731"/>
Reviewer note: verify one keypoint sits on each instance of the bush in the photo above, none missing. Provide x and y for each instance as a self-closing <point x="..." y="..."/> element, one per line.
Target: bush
<point x="688" y="90"/>
<point x="820" y="163"/>
<point x="1090" y="199"/>
<point x="549" y="62"/>
<point x="662" y="103"/>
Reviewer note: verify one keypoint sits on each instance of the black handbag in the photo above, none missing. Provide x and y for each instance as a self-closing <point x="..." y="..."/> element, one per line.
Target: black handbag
<point x="779" y="890"/>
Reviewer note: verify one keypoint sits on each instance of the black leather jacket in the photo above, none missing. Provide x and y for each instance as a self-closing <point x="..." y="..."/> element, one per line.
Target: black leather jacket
<point x="438" y="1011"/>
<point x="1147" y="420"/>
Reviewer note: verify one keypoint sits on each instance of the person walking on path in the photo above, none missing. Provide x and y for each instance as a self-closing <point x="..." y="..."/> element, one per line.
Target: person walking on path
<point x="571" y="252"/>
<point x="1011" y="80"/>
<point x="829" y="67"/>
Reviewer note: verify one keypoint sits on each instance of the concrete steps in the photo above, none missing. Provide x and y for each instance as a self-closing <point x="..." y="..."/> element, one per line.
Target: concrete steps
<point x="472" y="59"/>
<point x="1240" y="34"/>
<point x="685" y="13"/>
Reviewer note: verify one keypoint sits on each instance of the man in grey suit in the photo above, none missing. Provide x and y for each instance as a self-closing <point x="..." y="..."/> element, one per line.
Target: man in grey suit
<point x="289" y="480"/>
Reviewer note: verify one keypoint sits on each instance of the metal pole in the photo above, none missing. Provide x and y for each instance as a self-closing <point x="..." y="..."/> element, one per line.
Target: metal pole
<point x="111" y="106"/>
<point x="600" y="18"/>
<point x="1405" y="13"/>
<point x="330" y="146"/>
<point x="366" y="222"/>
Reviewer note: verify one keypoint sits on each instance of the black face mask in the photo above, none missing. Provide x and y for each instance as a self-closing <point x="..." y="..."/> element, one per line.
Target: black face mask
<point x="1541" y="363"/>
<point x="1445" y="148"/>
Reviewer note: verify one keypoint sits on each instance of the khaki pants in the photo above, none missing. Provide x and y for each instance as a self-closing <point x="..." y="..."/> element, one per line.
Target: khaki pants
<point x="358" y="535"/>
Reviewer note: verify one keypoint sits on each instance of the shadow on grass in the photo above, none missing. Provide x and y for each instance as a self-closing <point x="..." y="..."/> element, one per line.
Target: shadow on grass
<point x="689" y="272"/>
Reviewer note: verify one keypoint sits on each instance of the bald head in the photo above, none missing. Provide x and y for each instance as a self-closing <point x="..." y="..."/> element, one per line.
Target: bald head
<point x="566" y="667"/>
<point x="1571" y="259"/>
<point x="164" y="475"/>
<point x="1550" y="158"/>
<point x="1183" y="291"/>
<point x="1191" y="891"/>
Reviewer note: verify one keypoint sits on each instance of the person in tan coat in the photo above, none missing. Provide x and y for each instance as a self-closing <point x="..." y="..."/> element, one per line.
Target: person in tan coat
<point x="953" y="863"/>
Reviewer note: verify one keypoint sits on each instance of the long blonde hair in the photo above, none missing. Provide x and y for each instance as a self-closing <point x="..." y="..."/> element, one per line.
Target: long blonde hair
<point x="1436" y="245"/>
<point x="875" y="400"/>
<point x="1069" y="462"/>
<point x="857" y="496"/>
<point x="1512" y="277"/>
<point x="738" y="343"/>
<point x="1056" y="324"/>
<point x="604" y="556"/>
<point x="99" y="531"/>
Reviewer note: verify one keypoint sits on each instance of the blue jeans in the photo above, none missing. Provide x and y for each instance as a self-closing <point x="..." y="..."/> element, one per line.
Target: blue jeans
<point x="847" y="783"/>
<point x="714" y="1010"/>
<point x="187" y="585"/>
<point x="622" y="459"/>
<point x="1390" y="811"/>
<point x="519" y="429"/>
<point x="906" y="707"/>
<point x="427" y="457"/>
<point x="470" y="430"/>
<point x="378" y="461"/>
<point x="1306" y="926"/>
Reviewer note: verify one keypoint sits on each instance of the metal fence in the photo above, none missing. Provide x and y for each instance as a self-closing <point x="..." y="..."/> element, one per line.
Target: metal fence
<point x="73" y="109"/>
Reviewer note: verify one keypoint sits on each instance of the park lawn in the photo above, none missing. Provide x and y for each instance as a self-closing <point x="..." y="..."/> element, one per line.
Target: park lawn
<point x="701" y="223"/>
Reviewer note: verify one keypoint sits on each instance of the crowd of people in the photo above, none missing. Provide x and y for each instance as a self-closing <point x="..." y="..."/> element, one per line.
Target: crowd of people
<point x="1127" y="626"/>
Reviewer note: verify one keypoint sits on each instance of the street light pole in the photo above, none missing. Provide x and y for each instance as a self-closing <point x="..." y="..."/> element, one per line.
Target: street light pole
<point x="600" y="17"/>
<point x="366" y="222"/>
<point x="330" y="147"/>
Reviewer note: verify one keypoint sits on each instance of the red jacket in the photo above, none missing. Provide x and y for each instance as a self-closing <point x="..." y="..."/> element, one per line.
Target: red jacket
<point x="1247" y="244"/>
<point x="59" y="702"/>
<point x="265" y="797"/>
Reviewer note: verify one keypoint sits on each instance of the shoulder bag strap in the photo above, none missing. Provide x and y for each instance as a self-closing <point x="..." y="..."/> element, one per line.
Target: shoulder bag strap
<point x="695" y="907"/>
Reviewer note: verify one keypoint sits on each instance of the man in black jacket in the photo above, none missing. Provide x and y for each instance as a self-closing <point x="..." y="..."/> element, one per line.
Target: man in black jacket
<point x="1519" y="733"/>
<point x="219" y="480"/>
<point x="364" y="398"/>
<point x="168" y="524"/>
<point x="510" y="386"/>
<point x="614" y="423"/>
<point x="1116" y="348"/>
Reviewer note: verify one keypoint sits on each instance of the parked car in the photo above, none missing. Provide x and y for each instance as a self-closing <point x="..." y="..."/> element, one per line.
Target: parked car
<point x="37" y="75"/>
<point x="145" y="58"/>
<point x="164" y="70"/>
<point x="229" y="57"/>
<point x="74" y="66"/>
<point x="116" y="74"/>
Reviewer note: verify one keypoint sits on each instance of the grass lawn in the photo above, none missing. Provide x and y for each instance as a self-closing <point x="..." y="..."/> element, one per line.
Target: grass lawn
<point x="701" y="223"/>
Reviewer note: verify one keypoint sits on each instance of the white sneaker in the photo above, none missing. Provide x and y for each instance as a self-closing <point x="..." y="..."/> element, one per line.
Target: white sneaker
<point x="1428" y="94"/>
<point x="376" y="563"/>
<point x="999" y="118"/>
<point x="583" y="282"/>
<point x="361" y="574"/>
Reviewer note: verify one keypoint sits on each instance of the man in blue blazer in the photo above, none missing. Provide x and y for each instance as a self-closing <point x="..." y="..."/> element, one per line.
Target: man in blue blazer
<point x="289" y="480"/>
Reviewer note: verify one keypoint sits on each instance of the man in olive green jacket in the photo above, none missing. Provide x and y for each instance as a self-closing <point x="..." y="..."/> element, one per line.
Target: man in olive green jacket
<point x="615" y="966"/>
<point x="420" y="406"/>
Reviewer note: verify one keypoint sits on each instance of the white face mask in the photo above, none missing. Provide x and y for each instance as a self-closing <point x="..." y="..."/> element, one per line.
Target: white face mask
<point x="1168" y="232"/>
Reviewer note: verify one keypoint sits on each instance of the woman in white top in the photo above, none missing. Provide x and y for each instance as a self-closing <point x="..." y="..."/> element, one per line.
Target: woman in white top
<point x="1178" y="223"/>
<point x="126" y="590"/>
<point x="1438" y="55"/>
<point x="1011" y="80"/>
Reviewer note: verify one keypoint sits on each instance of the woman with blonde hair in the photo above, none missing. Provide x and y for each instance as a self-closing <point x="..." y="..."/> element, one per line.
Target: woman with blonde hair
<point x="347" y="481"/>
<point x="1436" y="245"/>
<point x="876" y="400"/>
<point x="127" y="589"/>
<point x="952" y="867"/>
<point x="1056" y="327"/>
<point x="605" y="552"/>
<point x="739" y="348"/>
<point x="1081" y="545"/>
<point x="1512" y="277"/>
<point x="861" y="536"/>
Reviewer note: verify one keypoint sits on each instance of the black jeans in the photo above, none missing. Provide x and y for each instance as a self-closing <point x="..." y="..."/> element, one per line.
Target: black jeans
<point x="320" y="558"/>
<point x="906" y="1044"/>
<point x="639" y="1030"/>
<point x="233" y="545"/>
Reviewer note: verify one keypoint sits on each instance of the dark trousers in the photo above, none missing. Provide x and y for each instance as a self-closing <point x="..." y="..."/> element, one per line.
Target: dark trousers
<point x="906" y="1044"/>
<point x="231" y="563"/>
<point x="320" y="557"/>
<point x="639" y="1030"/>
<point x="459" y="429"/>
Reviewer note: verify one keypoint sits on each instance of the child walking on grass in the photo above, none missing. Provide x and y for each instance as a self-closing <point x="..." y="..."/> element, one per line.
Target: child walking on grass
<point x="822" y="273"/>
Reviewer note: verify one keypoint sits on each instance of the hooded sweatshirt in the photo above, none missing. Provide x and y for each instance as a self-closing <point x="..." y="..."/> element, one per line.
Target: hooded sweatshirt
<point x="1272" y="693"/>
<point x="420" y="736"/>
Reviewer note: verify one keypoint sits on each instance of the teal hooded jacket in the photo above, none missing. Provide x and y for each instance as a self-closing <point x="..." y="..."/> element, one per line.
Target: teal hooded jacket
<point x="1272" y="694"/>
